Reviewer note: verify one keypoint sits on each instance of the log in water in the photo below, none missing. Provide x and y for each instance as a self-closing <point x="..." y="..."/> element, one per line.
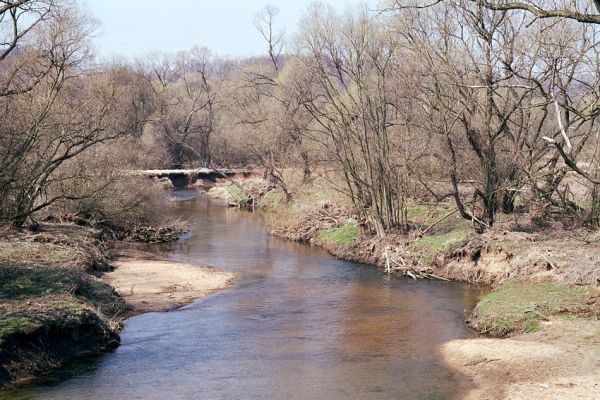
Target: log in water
<point x="298" y="324"/>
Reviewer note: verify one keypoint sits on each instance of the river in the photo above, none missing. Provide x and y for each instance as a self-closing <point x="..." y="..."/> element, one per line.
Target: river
<point x="297" y="324"/>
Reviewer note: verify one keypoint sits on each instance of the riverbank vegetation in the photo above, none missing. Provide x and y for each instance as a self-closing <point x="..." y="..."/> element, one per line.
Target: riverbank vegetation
<point x="53" y="305"/>
<point x="519" y="307"/>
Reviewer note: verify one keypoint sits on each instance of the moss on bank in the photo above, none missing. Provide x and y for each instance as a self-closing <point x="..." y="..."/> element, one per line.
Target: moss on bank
<point x="11" y="326"/>
<point x="518" y="307"/>
<point x="52" y="305"/>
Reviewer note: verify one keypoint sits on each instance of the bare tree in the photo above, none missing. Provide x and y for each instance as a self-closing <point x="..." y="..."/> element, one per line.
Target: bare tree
<point x="72" y="108"/>
<point x="348" y="66"/>
<point x="536" y="8"/>
<point x="269" y="109"/>
<point x="19" y="20"/>
<point x="264" y="22"/>
<point x="489" y="84"/>
<point x="187" y="103"/>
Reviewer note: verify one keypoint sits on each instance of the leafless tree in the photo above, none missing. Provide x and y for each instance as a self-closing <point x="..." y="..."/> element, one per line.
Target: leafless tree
<point x="265" y="25"/>
<point x="491" y="85"/>
<point x="539" y="9"/>
<point x="72" y="107"/>
<point x="348" y="66"/>
<point x="187" y="103"/>
<point x="18" y="22"/>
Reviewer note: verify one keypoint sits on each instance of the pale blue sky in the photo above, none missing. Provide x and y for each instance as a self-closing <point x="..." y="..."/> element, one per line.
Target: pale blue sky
<point x="135" y="27"/>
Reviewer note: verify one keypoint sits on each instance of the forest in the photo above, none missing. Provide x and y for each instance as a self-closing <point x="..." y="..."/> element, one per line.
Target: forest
<point x="495" y="109"/>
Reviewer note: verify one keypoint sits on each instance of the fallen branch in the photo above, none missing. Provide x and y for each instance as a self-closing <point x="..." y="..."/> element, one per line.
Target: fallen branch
<point x="437" y="222"/>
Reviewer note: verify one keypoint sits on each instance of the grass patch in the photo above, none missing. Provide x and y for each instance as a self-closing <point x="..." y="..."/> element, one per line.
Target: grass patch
<point x="422" y="212"/>
<point x="22" y="283"/>
<point x="66" y="306"/>
<point x="271" y="200"/>
<point x="442" y="242"/>
<point x="442" y="222"/>
<point x="237" y="193"/>
<point x="344" y="235"/>
<point x="518" y="307"/>
<point x="10" y="326"/>
<point x="32" y="253"/>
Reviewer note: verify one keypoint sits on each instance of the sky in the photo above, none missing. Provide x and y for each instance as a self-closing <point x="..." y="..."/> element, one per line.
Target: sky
<point x="130" y="28"/>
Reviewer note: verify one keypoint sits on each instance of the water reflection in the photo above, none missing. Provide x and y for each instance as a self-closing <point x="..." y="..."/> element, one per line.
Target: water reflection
<point x="297" y="325"/>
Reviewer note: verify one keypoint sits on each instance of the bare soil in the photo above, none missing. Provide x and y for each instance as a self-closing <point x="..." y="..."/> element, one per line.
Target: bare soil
<point x="560" y="361"/>
<point x="149" y="285"/>
<point x="553" y="254"/>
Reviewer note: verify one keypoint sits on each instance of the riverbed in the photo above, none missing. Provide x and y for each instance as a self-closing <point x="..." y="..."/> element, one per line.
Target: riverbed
<point x="297" y="324"/>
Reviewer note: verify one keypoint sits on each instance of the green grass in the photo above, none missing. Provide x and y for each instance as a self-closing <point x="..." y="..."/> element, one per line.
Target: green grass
<point x="419" y="211"/>
<point x="445" y="230"/>
<point x="344" y="235"/>
<point x="66" y="306"/>
<point x="237" y="193"/>
<point x="20" y="283"/>
<point x="519" y="307"/>
<point x="444" y="241"/>
<point x="271" y="200"/>
<point x="10" y="326"/>
<point x="432" y="244"/>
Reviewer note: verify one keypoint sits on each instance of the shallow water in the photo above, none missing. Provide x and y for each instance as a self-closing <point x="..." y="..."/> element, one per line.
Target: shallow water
<point x="298" y="324"/>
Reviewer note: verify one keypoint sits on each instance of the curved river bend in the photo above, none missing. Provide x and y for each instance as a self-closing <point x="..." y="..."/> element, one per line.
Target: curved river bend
<point x="298" y="324"/>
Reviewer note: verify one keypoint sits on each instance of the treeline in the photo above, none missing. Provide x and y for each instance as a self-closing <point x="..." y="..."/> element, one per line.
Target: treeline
<point x="492" y="107"/>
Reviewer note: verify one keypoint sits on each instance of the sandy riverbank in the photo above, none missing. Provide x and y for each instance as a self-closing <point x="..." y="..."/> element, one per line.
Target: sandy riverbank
<point x="148" y="284"/>
<point x="560" y="361"/>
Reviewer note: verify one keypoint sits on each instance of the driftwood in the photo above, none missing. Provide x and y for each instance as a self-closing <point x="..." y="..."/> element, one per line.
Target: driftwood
<point x="406" y="264"/>
<point x="154" y="233"/>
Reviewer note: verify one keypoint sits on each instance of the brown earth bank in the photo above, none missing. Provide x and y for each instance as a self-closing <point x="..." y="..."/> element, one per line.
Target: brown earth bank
<point x="567" y="256"/>
<point x="56" y="304"/>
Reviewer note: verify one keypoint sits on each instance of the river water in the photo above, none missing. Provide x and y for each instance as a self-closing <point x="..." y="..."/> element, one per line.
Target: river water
<point x="298" y="324"/>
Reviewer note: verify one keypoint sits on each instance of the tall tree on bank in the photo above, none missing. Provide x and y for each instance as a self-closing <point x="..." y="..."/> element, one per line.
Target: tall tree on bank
<point x="486" y="71"/>
<point x="348" y="65"/>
